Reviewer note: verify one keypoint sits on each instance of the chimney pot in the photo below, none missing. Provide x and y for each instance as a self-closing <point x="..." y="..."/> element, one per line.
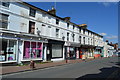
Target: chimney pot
<point x="53" y="8"/>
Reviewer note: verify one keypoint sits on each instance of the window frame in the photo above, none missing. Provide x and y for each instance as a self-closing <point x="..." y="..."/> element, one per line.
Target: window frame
<point x="4" y="20"/>
<point x="32" y="12"/>
<point x="30" y="27"/>
<point x="68" y="34"/>
<point x="57" y="32"/>
<point x="57" y="21"/>
<point x="5" y="4"/>
<point x="73" y="27"/>
<point x="68" y="25"/>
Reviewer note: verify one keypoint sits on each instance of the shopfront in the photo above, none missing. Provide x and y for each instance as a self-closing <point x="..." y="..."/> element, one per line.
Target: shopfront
<point x="32" y="50"/>
<point x="72" y="50"/>
<point x="86" y="51"/>
<point x="55" y="50"/>
<point x="98" y="52"/>
<point x="70" y="53"/>
<point x="8" y="50"/>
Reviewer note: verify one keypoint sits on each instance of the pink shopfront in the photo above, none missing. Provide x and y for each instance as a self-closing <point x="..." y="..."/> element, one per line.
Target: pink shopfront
<point x="32" y="50"/>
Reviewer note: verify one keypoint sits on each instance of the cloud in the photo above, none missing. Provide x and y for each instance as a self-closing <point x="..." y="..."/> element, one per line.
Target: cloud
<point x="103" y="34"/>
<point x="112" y="37"/>
<point x="108" y="3"/>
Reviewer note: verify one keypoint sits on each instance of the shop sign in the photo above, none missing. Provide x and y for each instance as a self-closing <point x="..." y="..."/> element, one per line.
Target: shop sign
<point x="98" y="47"/>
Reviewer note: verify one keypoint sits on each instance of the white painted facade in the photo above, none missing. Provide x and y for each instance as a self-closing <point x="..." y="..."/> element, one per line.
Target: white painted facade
<point x="18" y="22"/>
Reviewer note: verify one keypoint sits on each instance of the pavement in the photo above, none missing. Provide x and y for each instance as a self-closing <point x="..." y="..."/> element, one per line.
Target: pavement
<point x="16" y="69"/>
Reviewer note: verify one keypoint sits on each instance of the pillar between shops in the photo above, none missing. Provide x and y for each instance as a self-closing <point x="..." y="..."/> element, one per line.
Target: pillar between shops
<point x="45" y="52"/>
<point x="18" y="53"/>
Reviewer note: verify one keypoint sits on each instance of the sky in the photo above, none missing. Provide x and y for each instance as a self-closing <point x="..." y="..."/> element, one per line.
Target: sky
<point x="100" y="17"/>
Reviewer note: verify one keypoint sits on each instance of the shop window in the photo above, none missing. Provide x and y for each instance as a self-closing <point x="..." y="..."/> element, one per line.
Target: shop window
<point x="31" y="27"/>
<point x="8" y="50"/>
<point x="57" y="32"/>
<point x="56" y="51"/>
<point x="4" y="20"/>
<point x="6" y="4"/>
<point x="57" y="21"/>
<point x="67" y="36"/>
<point x="32" y="12"/>
<point x="32" y="50"/>
<point x="71" y="52"/>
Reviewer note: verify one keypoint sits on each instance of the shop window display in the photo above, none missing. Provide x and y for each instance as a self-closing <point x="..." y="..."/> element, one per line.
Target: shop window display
<point x="8" y="50"/>
<point x="32" y="50"/>
<point x="71" y="52"/>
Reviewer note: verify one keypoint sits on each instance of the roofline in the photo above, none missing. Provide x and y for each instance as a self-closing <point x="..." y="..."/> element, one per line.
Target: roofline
<point x="32" y="6"/>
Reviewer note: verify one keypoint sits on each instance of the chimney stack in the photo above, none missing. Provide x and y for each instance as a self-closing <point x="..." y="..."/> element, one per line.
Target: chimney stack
<point x="83" y="26"/>
<point x="67" y="18"/>
<point x="52" y="11"/>
<point x="111" y="43"/>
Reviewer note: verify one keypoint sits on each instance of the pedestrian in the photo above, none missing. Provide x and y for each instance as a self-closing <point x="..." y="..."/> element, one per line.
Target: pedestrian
<point x="32" y="64"/>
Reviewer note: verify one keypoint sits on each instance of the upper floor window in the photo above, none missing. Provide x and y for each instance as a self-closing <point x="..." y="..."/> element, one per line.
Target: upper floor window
<point x="83" y="40"/>
<point x="6" y="4"/>
<point x="73" y="37"/>
<point x="79" y="30"/>
<point x="43" y="24"/>
<point x="31" y="27"/>
<point x="32" y="12"/>
<point x="4" y="20"/>
<point x="80" y="39"/>
<point x="57" y="21"/>
<point x="49" y="26"/>
<point x="57" y="32"/>
<point x="83" y="31"/>
<point x="67" y="25"/>
<point x="67" y="36"/>
<point x="88" y="41"/>
<point x="91" y="41"/>
<point x="73" y="27"/>
<point x="88" y="32"/>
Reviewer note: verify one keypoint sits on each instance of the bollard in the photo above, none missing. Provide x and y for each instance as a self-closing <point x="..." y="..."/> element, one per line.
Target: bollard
<point x="32" y="64"/>
<point x="66" y="61"/>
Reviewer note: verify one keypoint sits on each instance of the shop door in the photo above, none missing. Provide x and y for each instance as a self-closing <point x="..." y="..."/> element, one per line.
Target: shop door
<point x="49" y="53"/>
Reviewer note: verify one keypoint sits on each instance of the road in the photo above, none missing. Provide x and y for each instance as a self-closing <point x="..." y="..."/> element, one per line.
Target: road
<point x="99" y="68"/>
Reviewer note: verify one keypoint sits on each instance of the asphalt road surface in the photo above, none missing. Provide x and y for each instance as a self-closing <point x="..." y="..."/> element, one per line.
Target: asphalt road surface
<point x="99" y="68"/>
